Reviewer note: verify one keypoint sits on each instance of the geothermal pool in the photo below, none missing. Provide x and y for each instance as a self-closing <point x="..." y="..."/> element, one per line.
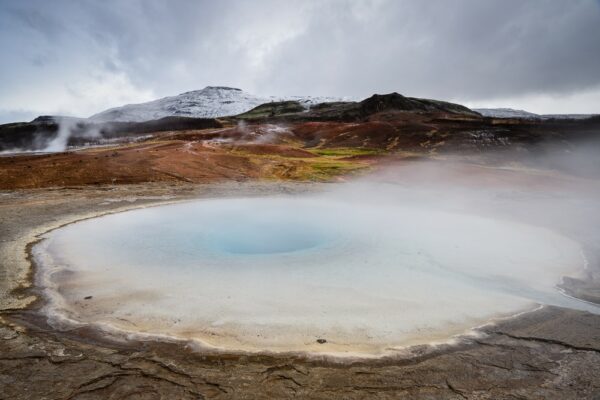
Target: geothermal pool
<point x="280" y="273"/>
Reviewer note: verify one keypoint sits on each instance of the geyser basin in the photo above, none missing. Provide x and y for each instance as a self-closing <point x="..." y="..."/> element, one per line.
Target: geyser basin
<point x="280" y="273"/>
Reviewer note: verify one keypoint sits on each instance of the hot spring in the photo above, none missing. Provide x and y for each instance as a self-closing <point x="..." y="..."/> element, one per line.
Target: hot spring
<point x="287" y="274"/>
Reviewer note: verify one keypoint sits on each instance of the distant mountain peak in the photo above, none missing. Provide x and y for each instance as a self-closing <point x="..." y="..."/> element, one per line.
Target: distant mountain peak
<point x="210" y="102"/>
<point x="221" y="88"/>
<point x="211" y="89"/>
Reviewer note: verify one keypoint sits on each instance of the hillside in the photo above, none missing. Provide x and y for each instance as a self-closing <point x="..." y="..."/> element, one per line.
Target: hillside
<point x="210" y="102"/>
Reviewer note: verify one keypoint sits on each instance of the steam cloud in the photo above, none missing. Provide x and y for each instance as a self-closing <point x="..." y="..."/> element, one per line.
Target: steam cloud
<point x="417" y="252"/>
<point x="68" y="128"/>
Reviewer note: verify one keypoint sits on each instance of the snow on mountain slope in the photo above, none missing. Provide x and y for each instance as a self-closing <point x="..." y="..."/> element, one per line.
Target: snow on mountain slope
<point x="506" y="113"/>
<point x="512" y="113"/>
<point x="210" y="102"/>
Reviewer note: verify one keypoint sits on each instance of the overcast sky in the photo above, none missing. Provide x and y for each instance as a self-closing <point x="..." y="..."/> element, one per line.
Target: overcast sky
<point x="79" y="57"/>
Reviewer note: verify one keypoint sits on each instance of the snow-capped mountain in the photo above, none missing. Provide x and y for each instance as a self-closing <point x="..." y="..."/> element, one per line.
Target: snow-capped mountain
<point x="512" y="113"/>
<point x="210" y="102"/>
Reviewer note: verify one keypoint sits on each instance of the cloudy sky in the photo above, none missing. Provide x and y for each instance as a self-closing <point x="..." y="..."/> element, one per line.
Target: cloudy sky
<point x="79" y="57"/>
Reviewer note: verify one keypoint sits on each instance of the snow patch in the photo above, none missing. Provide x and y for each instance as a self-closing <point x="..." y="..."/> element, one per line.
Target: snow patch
<point x="512" y="113"/>
<point x="210" y="102"/>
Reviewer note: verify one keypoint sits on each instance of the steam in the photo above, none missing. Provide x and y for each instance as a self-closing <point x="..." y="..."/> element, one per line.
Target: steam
<point x="59" y="143"/>
<point x="272" y="133"/>
<point x="418" y="252"/>
<point x="54" y="134"/>
<point x="260" y="133"/>
<point x="67" y="129"/>
<point x="242" y="127"/>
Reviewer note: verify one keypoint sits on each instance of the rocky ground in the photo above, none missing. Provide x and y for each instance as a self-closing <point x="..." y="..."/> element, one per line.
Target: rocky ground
<point x="331" y="140"/>
<point x="547" y="354"/>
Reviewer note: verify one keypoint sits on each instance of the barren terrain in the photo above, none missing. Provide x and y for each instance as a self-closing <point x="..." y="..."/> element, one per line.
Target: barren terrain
<point x="550" y="353"/>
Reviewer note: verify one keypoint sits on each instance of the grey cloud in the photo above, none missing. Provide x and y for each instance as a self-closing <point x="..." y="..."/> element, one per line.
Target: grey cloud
<point x="467" y="50"/>
<point x="37" y="21"/>
<point x="453" y="49"/>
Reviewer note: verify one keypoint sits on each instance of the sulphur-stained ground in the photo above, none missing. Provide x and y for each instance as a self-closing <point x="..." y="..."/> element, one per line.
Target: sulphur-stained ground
<point x="546" y="354"/>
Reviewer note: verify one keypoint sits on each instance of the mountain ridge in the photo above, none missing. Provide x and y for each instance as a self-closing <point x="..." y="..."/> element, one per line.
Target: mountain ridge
<point x="210" y="102"/>
<point x="504" y="112"/>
